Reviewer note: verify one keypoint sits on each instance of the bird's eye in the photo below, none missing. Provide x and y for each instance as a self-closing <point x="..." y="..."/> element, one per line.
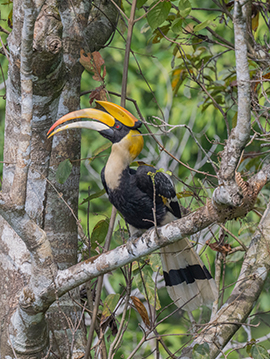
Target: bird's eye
<point x="117" y="126"/>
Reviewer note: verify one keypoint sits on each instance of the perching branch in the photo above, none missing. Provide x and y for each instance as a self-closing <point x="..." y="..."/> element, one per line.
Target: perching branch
<point x="80" y="273"/>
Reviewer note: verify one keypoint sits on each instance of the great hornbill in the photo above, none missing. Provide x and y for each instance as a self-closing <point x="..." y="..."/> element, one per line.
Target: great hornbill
<point x="135" y="193"/>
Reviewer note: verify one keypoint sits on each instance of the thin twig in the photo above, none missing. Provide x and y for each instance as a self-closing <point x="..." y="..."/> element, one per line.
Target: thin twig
<point x="147" y="12"/>
<point x="120" y="10"/>
<point x="127" y="53"/>
<point x="99" y="287"/>
<point x="120" y="331"/>
<point x="4" y="49"/>
<point x="232" y="235"/>
<point x="4" y="30"/>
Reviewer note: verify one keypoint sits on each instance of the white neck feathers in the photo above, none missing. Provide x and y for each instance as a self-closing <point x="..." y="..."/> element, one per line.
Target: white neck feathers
<point x="123" y="153"/>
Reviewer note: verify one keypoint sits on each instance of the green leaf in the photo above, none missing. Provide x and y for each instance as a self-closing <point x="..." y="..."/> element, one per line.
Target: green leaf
<point x="234" y="120"/>
<point x="250" y="345"/>
<point x="99" y="233"/>
<point x="143" y="280"/>
<point x="259" y="352"/>
<point x="120" y="236"/>
<point x="184" y="194"/>
<point x="63" y="171"/>
<point x="250" y="226"/>
<point x="202" y="25"/>
<point x="102" y="148"/>
<point x="184" y="7"/>
<point x="109" y="305"/>
<point x="254" y="162"/>
<point x="138" y="266"/>
<point x="169" y="173"/>
<point x="93" y="196"/>
<point x="201" y="351"/>
<point x="155" y="262"/>
<point x="140" y="3"/>
<point x="177" y="25"/>
<point x="157" y="35"/>
<point x="158" y="14"/>
<point x="203" y="187"/>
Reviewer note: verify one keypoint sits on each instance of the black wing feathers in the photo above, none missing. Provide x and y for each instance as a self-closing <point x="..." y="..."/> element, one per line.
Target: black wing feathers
<point x="135" y="195"/>
<point x="164" y="190"/>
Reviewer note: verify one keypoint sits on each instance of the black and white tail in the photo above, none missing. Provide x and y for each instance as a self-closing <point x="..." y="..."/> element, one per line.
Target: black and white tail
<point x="188" y="281"/>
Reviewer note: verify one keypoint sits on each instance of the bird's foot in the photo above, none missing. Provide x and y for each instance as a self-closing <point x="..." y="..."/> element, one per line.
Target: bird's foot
<point x="131" y="244"/>
<point x="146" y="239"/>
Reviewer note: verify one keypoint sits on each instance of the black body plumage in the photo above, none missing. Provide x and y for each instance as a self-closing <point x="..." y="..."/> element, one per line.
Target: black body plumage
<point x="137" y="195"/>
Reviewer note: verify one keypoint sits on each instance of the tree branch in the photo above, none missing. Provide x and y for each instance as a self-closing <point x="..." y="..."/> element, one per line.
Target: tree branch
<point x="42" y="263"/>
<point x="241" y="133"/>
<point x="228" y="192"/>
<point x="151" y="240"/>
<point x="18" y="191"/>
<point x="46" y="285"/>
<point x="235" y="311"/>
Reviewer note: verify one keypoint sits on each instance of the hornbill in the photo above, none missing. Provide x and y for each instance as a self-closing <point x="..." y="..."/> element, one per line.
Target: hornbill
<point x="135" y="193"/>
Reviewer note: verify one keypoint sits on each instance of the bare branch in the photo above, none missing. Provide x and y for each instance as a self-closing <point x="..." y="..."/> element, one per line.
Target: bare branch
<point x="241" y="133"/>
<point x="127" y="53"/>
<point x="228" y="192"/>
<point x="18" y="191"/>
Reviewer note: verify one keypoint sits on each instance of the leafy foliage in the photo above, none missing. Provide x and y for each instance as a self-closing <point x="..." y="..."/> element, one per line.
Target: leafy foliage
<point x="99" y="233"/>
<point x="182" y="70"/>
<point x="158" y="13"/>
<point x="109" y="305"/>
<point x="146" y="285"/>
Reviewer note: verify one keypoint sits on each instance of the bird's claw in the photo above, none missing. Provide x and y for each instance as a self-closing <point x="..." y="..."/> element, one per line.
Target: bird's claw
<point x="130" y="245"/>
<point x="146" y="239"/>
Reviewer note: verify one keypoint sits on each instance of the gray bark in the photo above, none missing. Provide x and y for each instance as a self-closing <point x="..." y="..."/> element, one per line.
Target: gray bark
<point x="232" y="192"/>
<point x="38" y="234"/>
<point x="43" y="84"/>
<point x="48" y="283"/>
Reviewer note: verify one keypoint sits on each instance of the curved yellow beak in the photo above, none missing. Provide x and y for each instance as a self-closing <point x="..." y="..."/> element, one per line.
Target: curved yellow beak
<point x="106" y="119"/>
<point x="90" y="113"/>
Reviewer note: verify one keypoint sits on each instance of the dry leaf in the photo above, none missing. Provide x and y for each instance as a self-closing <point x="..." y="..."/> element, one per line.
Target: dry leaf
<point x="93" y="62"/>
<point x="99" y="93"/>
<point x="221" y="248"/>
<point x="141" y="310"/>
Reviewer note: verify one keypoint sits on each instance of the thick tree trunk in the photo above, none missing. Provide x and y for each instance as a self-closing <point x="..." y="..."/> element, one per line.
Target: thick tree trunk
<point x="43" y="84"/>
<point x="38" y="238"/>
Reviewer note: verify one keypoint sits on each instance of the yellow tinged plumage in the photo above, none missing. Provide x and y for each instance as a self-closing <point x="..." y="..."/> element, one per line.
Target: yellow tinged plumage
<point x="123" y="153"/>
<point x="164" y="200"/>
<point x="135" y="143"/>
